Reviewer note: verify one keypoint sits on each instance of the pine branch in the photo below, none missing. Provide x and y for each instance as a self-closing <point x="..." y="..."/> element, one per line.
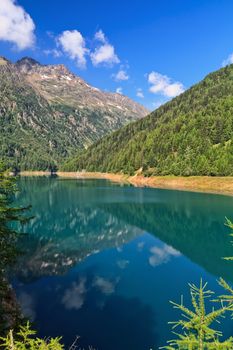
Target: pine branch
<point x="197" y="332"/>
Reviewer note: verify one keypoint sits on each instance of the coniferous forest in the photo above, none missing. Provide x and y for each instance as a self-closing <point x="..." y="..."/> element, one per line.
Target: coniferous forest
<point x="190" y="135"/>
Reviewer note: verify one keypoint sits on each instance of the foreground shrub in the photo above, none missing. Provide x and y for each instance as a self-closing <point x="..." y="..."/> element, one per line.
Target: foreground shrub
<point x="25" y="339"/>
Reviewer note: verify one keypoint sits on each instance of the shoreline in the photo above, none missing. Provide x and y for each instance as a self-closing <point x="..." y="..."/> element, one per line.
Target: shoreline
<point x="206" y="184"/>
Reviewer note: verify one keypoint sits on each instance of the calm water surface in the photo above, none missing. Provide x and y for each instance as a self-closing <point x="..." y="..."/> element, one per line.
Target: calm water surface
<point x="102" y="260"/>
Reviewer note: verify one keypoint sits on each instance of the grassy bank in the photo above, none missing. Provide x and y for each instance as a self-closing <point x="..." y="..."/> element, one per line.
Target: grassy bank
<point x="222" y="185"/>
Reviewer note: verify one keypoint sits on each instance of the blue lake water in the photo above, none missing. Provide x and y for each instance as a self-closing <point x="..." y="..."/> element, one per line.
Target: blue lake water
<point x="101" y="261"/>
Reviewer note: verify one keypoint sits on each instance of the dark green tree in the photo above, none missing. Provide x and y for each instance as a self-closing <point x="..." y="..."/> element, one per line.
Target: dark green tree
<point x="9" y="311"/>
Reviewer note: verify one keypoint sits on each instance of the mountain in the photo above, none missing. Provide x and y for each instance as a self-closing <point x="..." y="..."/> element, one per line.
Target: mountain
<point x="52" y="245"/>
<point x="55" y="255"/>
<point x="47" y="113"/>
<point x="190" y="135"/>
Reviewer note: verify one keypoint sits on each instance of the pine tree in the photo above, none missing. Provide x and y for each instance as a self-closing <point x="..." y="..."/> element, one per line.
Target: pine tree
<point x="227" y="299"/>
<point x="197" y="332"/>
<point x="13" y="334"/>
<point x="9" y="311"/>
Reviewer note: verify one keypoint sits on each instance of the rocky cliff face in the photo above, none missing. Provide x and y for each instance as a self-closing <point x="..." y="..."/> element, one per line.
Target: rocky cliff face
<point x="47" y="113"/>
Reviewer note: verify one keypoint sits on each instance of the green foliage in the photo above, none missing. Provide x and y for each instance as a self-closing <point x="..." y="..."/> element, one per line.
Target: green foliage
<point x="14" y="335"/>
<point x="40" y="127"/>
<point x="25" y="339"/>
<point x="9" y="311"/>
<point x="230" y="225"/>
<point x="197" y="332"/>
<point x="227" y="298"/>
<point x="9" y="213"/>
<point x="10" y="315"/>
<point x="190" y="135"/>
<point x="196" y="325"/>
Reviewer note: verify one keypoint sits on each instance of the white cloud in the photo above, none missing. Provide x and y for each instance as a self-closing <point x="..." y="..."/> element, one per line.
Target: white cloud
<point x="16" y="26"/>
<point x="161" y="84"/>
<point x="162" y="255"/>
<point x="122" y="264"/>
<point x="26" y="302"/>
<point x="74" y="297"/>
<point x="121" y="75"/>
<point x="54" y="52"/>
<point x="73" y="44"/>
<point x="100" y="36"/>
<point x="105" y="286"/>
<point x="228" y="61"/>
<point x="140" y="93"/>
<point x="119" y="90"/>
<point x="104" y="53"/>
<point x="141" y="246"/>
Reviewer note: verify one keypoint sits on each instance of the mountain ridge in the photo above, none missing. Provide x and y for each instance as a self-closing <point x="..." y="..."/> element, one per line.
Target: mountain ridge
<point x="189" y="135"/>
<point x="47" y="113"/>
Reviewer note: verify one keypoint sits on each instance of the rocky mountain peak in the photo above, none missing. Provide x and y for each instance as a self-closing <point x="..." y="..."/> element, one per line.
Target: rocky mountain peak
<point x="62" y="68"/>
<point x="25" y="64"/>
<point x="4" y="61"/>
<point x="55" y="113"/>
<point x="28" y="65"/>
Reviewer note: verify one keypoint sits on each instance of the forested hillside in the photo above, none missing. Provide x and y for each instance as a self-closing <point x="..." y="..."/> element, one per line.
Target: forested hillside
<point x="47" y="114"/>
<point x="190" y="135"/>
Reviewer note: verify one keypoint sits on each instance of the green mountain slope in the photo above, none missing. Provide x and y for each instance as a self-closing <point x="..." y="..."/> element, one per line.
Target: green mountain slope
<point x="190" y="135"/>
<point x="47" y="113"/>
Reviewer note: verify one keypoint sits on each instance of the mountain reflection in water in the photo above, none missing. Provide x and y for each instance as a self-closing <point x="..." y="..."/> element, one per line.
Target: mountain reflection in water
<point x="100" y="260"/>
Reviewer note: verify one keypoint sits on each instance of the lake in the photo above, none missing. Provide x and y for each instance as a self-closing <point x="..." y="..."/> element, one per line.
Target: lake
<point x="102" y="260"/>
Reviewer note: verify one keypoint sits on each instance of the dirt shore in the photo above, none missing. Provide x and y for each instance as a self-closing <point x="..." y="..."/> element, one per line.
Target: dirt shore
<point x="222" y="185"/>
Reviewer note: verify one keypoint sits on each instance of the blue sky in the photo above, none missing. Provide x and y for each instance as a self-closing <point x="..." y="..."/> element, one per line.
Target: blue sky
<point x="150" y="50"/>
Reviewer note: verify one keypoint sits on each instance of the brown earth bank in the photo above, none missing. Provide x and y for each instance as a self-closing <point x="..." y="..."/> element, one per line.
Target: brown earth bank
<point x="222" y="185"/>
